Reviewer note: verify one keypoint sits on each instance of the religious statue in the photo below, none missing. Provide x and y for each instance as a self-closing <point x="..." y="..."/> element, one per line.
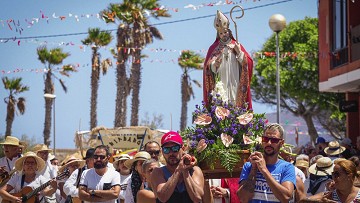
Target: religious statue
<point x="227" y="65"/>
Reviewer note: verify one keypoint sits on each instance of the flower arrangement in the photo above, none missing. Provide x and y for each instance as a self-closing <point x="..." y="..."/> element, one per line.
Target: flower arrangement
<point x="222" y="130"/>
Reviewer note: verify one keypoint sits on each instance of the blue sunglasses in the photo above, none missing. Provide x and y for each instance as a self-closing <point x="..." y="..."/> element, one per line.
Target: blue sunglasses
<point x="175" y="148"/>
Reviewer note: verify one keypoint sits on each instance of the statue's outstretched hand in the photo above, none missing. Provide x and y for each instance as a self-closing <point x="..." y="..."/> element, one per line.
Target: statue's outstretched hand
<point x="237" y="48"/>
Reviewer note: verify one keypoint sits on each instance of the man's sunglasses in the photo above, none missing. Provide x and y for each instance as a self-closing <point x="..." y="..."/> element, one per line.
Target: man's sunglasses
<point x="99" y="156"/>
<point x="157" y="152"/>
<point x="175" y="148"/>
<point x="272" y="139"/>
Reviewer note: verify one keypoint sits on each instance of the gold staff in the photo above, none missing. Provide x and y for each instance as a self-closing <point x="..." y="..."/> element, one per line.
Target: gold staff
<point x="242" y="14"/>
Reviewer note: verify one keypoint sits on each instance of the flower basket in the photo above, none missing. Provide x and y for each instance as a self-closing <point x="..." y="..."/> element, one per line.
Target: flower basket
<point x="220" y="172"/>
<point x="223" y="137"/>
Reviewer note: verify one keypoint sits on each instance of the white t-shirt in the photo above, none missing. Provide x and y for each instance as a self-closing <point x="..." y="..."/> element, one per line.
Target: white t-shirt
<point x="124" y="179"/>
<point x="93" y="181"/>
<point x="70" y="185"/>
<point x="8" y="163"/>
<point x="15" y="182"/>
<point x="299" y="173"/>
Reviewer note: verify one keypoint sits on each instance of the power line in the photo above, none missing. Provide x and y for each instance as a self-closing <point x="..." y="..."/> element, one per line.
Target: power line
<point x="164" y="23"/>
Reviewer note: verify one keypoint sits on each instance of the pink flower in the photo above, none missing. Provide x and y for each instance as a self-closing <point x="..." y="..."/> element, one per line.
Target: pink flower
<point x="227" y="140"/>
<point x="201" y="145"/>
<point x="203" y="119"/>
<point x="245" y="118"/>
<point x="247" y="139"/>
<point x="221" y="112"/>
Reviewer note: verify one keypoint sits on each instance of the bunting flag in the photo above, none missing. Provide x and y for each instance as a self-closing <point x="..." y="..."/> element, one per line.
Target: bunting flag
<point x="18" y="24"/>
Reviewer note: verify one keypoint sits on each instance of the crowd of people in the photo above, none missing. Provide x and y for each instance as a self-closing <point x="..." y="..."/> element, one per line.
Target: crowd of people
<point x="163" y="172"/>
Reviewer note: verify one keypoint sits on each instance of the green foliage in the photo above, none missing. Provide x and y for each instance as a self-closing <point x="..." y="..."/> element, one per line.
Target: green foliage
<point x="298" y="75"/>
<point x="228" y="159"/>
<point x="14" y="85"/>
<point x="54" y="56"/>
<point x="97" y="37"/>
<point x="190" y="59"/>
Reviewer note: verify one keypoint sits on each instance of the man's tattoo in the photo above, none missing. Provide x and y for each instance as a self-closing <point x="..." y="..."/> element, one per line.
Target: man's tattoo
<point x="249" y="185"/>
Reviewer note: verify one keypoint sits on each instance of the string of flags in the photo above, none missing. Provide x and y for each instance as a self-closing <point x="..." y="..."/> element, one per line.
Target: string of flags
<point x="157" y="60"/>
<point x="18" y="25"/>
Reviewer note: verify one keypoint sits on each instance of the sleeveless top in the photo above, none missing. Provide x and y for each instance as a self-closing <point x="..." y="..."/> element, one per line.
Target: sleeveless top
<point x="336" y="198"/>
<point x="180" y="195"/>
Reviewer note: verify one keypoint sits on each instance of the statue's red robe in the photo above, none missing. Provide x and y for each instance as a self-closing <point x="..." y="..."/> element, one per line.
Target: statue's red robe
<point x="243" y="93"/>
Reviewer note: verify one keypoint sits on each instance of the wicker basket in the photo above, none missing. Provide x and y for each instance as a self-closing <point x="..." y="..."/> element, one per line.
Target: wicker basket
<point x="220" y="172"/>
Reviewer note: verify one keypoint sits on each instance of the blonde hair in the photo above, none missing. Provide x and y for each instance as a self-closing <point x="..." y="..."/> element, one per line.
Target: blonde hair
<point x="348" y="166"/>
<point x="272" y="127"/>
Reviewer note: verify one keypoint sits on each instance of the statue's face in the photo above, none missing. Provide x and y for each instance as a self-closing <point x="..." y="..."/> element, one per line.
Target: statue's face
<point x="224" y="34"/>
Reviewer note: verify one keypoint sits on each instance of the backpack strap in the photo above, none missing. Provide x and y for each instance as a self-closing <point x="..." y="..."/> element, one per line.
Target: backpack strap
<point x="79" y="176"/>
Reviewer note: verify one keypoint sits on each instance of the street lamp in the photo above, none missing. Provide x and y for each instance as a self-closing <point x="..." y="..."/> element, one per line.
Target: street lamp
<point x="277" y="23"/>
<point x="52" y="96"/>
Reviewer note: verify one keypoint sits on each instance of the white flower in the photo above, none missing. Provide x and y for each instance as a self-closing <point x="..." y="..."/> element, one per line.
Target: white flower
<point x="219" y="89"/>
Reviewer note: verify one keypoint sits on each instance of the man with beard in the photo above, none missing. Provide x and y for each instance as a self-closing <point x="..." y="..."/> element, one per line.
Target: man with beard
<point x="180" y="181"/>
<point x="100" y="184"/>
<point x="153" y="148"/>
<point x="266" y="178"/>
<point x="11" y="148"/>
<point x="228" y="67"/>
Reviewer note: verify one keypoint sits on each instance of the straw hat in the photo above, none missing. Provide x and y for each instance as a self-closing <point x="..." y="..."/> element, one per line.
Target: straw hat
<point x="138" y="156"/>
<point x="323" y="167"/>
<point x="10" y="140"/>
<point x="302" y="164"/>
<point x="41" y="147"/>
<point x="52" y="157"/>
<point x="20" y="162"/>
<point x="287" y="150"/>
<point x="121" y="157"/>
<point x="71" y="160"/>
<point x="334" y="148"/>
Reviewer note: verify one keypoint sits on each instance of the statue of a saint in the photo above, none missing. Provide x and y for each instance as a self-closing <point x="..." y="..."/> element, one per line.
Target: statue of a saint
<point x="229" y="65"/>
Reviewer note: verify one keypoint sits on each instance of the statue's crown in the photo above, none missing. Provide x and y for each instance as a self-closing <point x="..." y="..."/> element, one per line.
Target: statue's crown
<point x="221" y="21"/>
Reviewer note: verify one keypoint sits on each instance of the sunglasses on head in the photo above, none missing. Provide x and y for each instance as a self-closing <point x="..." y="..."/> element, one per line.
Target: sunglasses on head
<point x="157" y="152"/>
<point x="175" y="148"/>
<point x="99" y="156"/>
<point x="272" y="139"/>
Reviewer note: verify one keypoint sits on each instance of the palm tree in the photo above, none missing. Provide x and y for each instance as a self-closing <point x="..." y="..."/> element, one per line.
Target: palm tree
<point x="188" y="60"/>
<point x="15" y="87"/>
<point x="96" y="38"/>
<point x="134" y="14"/>
<point x="112" y="13"/>
<point x="50" y="58"/>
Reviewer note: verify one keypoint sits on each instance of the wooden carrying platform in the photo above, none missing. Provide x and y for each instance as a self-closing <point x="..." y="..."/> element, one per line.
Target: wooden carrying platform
<point x="220" y="172"/>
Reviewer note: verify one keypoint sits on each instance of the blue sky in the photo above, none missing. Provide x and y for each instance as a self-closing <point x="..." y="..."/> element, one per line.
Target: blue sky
<point x="160" y="87"/>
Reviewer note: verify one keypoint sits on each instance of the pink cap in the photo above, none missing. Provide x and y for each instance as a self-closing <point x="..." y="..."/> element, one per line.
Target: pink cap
<point x="171" y="136"/>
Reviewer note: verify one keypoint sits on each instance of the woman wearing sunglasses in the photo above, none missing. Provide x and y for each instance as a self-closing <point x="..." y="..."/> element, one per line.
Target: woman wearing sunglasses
<point x="179" y="181"/>
<point x="343" y="175"/>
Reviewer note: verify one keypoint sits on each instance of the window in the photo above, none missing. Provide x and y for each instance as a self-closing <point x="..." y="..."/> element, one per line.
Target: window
<point x="339" y="24"/>
<point x="339" y="45"/>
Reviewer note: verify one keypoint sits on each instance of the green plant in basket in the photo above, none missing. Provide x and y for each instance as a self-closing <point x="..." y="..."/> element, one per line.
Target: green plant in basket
<point x="221" y="131"/>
